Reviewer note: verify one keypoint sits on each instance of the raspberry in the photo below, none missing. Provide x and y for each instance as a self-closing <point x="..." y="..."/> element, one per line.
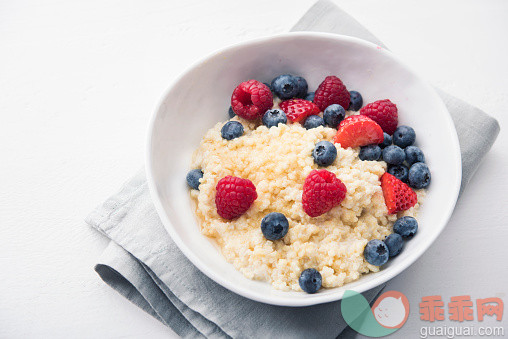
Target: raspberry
<point x="331" y="91"/>
<point x="298" y="109"/>
<point x="384" y="112"/>
<point x="358" y="130"/>
<point x="398" y="196"/>
<point x="251" y="99"/>
<point x="234" y="196"/>
<point x="321" y="192"/>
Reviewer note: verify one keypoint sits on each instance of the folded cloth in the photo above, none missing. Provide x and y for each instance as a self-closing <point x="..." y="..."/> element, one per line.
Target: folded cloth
<point x="144" y="265"/>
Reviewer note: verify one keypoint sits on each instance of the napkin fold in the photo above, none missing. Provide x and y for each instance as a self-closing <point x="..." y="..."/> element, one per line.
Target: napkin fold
<point x="143" y="264"/>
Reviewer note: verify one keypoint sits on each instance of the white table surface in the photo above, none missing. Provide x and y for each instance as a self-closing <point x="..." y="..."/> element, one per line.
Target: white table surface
<point x="79" y="80"/>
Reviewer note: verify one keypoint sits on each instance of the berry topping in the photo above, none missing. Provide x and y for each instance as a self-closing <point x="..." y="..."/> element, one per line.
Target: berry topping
<point x="399" y="171"/>
<point x="356" y="101"/>
<point x="313" y="121"/>
<point x="273" y="117"/>
<point x="406" y="226"/>
<point x="394" y="155"/>
<point x="376" y="252"/>
<point x="370" y="153"/>
<point x="321" y="192"/>
<point x="404" y="136"/>
<point x="274" y="226"/>
<point x="358" y="130"/>
<point x="234" y="196"/>
<point x="387" y="141"/>
<point x="333" y="115"/>
<point x="302" y="87"/>
<point x="419" y="175"/>
<point x="324" y="153"/>
<point x="231" y="113"/>
<point x="394" y="243"/>
<point x="414" y="155"/>
<point x="384" y="112"/>
<point x="287" y="86"/>
<point x="310" y="280"/>
<point x="331" y="91"/>
<point x="298" y="109"/>
<point x="193" y="178"/>
<point x="251" y="99"/>
<point x="231" y="130"/>
<point x="309" y="96"/>
<point x="398" y="196"/>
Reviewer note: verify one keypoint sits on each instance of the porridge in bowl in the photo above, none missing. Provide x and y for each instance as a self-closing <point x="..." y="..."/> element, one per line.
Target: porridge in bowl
<point x="294" y="191"/>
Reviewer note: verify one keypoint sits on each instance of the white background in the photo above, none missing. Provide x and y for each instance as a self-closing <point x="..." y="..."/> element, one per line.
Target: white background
<point x="79" y="80"/>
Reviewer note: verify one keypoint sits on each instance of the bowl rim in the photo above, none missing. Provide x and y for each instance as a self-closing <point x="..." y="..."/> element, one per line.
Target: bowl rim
<point x="317" y="298"/>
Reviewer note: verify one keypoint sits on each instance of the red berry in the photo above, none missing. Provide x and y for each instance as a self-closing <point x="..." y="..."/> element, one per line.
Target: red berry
<point x="234" y="196"/>
<point x="398" y="196"/>
<point x="358" y="130"/>
<point x="331" y="91"/>
<point x="251" y="99"/>
<point x="322" y="191"/>
<point x="384" y="112"/>
<point x="298" y="109"/>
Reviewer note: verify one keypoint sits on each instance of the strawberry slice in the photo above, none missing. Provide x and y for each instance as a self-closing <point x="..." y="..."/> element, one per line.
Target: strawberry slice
<point x="398" y="196"/>
<point x="299" y="109"/>
<point x="358" y="130"/>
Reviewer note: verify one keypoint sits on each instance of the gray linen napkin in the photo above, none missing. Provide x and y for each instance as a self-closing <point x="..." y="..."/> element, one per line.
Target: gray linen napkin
<point x="144" y="265"/>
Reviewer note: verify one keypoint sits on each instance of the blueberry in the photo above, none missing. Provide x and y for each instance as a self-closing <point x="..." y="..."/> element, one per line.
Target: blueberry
<point x="406" y="226"/>
<point x="231" y="113"/>
<point x="404" y="136"/>
<point x="414" y="155"/>
<point x="273" y="117"/>
<point x="376" y="252"/>
<point x="313" y="121"/>
<point x="274" y="226"/>
<point x="387" y="141"/>
<point x="356" y="101"/>
<point x="333" y="115"/>
<point x="370" y="153"/>
<point x="286" y="86"/>
<point x="302" y="87"/>
<point x="394" y="243"/>
<point x="394" y="155"/>
<point x="399" y="171"/>
<point x="231" y="130"/>
<point x="310" y="96"/>
<point x="419" y="175"/>
<point x="310" y="280"/>
<point x="193" y="178"/>
<point x="324" y="153"/>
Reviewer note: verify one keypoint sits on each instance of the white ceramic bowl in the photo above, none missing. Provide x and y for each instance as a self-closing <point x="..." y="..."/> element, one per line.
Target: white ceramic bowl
<point x="201" y="97"/>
